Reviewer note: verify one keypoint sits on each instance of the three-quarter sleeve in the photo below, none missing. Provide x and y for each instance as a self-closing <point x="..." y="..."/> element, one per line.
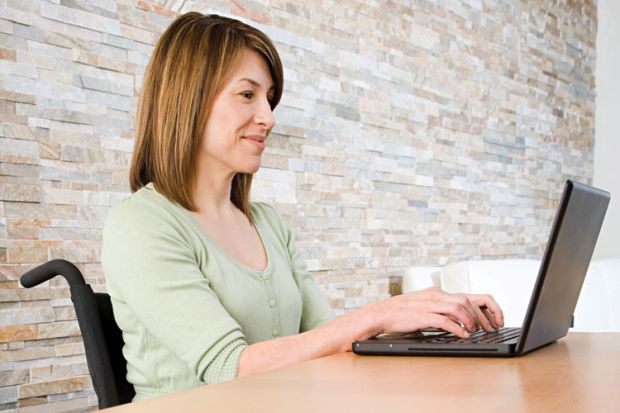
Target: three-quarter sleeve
<point x="156" y="286"/>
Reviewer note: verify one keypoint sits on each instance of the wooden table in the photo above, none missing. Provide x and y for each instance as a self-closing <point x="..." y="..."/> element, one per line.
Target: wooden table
<point x="580" y="373"/>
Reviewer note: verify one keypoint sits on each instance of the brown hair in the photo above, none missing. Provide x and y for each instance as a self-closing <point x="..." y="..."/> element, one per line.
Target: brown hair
<point x="188" y="68"/>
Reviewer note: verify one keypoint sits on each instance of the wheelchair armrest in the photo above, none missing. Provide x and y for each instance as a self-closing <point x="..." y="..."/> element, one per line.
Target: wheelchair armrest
<point x="50" y="269"/>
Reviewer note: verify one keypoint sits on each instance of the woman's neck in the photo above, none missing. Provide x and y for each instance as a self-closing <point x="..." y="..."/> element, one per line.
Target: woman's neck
<point x="212" y="194"/>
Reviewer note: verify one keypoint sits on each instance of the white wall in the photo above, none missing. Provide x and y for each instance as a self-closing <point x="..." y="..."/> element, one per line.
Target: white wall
<point x="607" y="136"/>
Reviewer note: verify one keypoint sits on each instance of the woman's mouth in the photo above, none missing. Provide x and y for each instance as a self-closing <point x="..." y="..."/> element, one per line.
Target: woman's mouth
<point x="256" y="140"/>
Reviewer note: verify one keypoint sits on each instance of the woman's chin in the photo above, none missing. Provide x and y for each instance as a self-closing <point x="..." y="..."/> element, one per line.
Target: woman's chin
<point x="251" y="168"/>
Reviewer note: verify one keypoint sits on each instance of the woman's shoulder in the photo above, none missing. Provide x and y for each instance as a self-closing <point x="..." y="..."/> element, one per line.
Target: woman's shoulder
<point x="263" y="212"/>
<point x="262" y="208"/>
<point x="144" y="207"/>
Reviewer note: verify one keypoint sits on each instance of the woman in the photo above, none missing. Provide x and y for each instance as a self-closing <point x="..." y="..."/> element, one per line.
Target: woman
<point x="205" y="285"/>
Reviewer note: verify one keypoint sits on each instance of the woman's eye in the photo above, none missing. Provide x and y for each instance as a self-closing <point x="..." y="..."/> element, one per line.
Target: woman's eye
<point x="247" y="95"/>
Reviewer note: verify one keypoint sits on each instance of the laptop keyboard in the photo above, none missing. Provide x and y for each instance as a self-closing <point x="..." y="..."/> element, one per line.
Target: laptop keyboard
<point x="502" y="335"/>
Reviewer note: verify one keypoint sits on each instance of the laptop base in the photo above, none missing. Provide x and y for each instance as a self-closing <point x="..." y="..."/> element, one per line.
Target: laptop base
<point x="415" y="346"/>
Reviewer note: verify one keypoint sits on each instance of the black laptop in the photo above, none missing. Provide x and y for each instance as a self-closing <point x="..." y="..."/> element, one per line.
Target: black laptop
<point x="563" y="268"/>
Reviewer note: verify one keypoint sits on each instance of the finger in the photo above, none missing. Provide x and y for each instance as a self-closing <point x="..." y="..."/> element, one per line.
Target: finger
<point x="470" y="307"/>
<point x="486" y="323"/>
<point x="491" y="318"/>
<point x="456" y="303"/>
<point x="445" y="323"/>
<point x="485" y="300"/>
<point x="456" y="311"/>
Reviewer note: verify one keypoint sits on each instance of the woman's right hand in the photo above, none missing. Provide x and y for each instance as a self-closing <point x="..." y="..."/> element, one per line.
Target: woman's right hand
<point x="459" y="314"/>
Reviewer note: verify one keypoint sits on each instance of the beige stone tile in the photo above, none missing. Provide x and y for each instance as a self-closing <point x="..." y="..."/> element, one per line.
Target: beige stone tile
<point x="30" y="353"/>
<point x="17" y="332"/>
<point x="58" y="329"/>
<point x="54" y="387"/>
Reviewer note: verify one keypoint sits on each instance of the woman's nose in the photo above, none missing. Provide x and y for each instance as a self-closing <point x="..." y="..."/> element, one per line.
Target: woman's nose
<point x="264" y="114"/>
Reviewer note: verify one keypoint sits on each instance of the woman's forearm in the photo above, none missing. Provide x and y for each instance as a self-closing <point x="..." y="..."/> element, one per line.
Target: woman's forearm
<point x="330" y="338"/>
<point x="459" y="314"/>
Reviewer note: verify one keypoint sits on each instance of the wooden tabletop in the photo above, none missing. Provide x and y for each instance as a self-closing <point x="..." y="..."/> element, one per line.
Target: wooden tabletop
<point x="580" y="373"/>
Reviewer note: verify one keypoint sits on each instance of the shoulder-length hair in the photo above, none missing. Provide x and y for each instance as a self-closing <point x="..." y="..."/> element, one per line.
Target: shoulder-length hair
<point x="189" y="67"/>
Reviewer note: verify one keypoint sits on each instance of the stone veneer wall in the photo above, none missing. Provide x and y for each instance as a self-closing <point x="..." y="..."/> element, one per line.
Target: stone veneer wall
<point x="409" y="133"/>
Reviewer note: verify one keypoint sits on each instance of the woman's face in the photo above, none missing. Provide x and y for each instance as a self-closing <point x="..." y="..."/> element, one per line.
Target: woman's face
<point x="240" y="120"/>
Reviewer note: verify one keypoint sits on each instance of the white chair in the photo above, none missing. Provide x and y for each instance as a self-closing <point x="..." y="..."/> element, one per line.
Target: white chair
<point x="511" y="282"/>
<point x="598" y="308"/>
<point x="418" y="278"/>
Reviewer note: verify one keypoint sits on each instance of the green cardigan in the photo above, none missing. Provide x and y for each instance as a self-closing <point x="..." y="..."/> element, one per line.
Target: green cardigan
<point x="187" y="309"/>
